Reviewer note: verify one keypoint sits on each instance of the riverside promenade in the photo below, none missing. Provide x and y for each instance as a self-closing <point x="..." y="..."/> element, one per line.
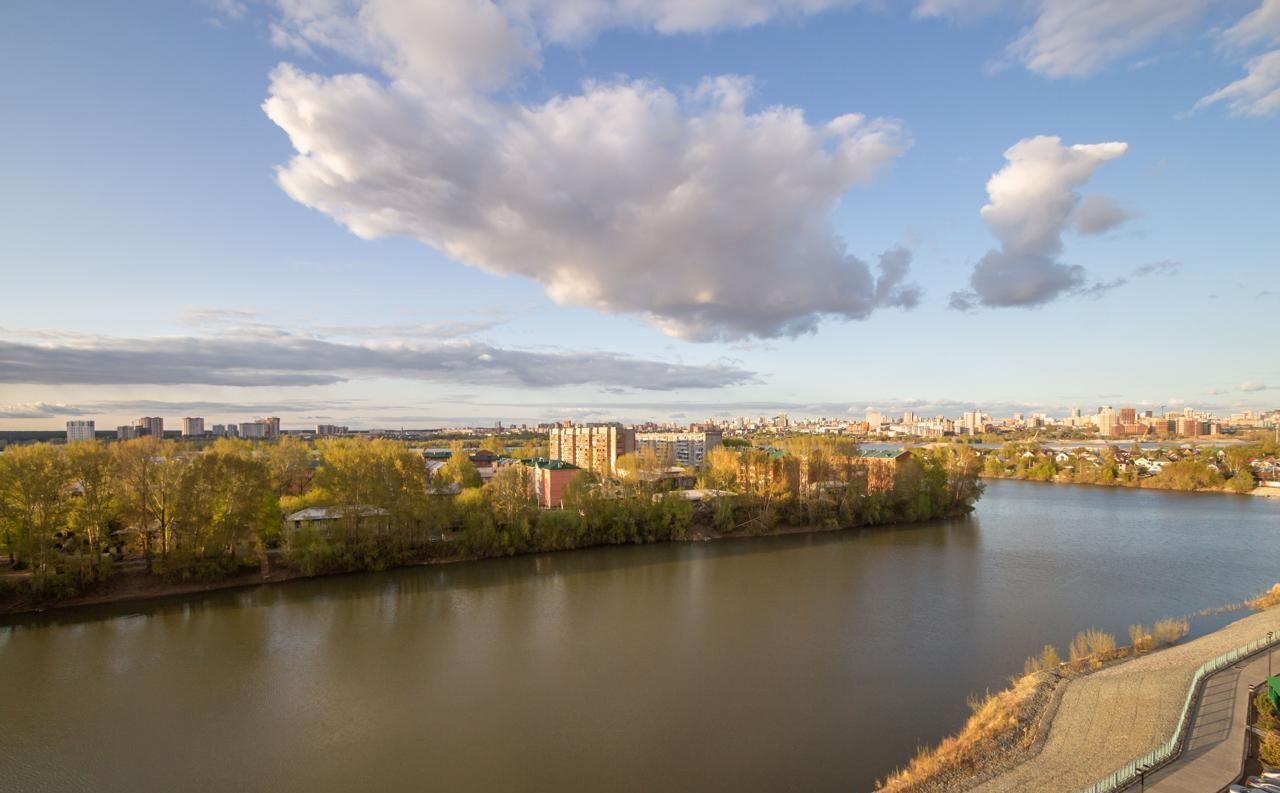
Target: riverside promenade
<point x="1108" y="718"/>
<point x="1214" y="754"/>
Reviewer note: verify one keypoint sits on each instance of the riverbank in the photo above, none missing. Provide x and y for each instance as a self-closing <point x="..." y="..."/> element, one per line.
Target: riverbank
<point x="1072" y="730"/>
<point x="137" y="586"/>
<point x="1140" y="484"/>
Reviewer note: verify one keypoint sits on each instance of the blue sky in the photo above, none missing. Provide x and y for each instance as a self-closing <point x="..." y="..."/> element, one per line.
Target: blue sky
<point x="532" y="210"/>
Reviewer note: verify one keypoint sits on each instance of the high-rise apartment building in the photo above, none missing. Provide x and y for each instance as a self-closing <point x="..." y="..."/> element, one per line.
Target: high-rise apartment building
<point x="595" y="447"/>
<point x="1108" y="422"/>
<point x="1128" y="416"/>
<point x="972" y="422"/>
<point x="253" y="429"/>
<point x="192" y="427"/>
<point x="687" y="449"/>
<point x="151" y="425"/>
<point x="273" y="426"/>
<point x="126" y="432"/>
<point x="80" y="430"/>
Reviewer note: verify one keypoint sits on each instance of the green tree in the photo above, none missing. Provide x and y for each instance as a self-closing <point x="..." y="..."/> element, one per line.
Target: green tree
<point x="94" y="511"/>
<point x="460" y="469"/>
<point x="35" y="481"/>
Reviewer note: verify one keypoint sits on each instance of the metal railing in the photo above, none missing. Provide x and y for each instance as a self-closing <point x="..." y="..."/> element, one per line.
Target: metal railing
<point x="1128" y="773"/>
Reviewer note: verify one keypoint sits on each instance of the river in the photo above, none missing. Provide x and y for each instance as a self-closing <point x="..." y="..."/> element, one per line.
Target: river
<point x="798" y="663"/>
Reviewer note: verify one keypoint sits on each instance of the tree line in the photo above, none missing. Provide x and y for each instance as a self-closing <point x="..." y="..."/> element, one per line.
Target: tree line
<point x="72" y="516"/>
<point x="1200" y="469"/>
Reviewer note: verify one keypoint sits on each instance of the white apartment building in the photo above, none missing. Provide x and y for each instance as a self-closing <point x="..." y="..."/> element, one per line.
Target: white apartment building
<point x="686" y="449"/>
<point x="80" y="430"/>
<point x="193" y="427"/>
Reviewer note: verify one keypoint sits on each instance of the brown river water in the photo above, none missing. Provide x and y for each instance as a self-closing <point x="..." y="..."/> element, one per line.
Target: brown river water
<point x="798" y="663"/>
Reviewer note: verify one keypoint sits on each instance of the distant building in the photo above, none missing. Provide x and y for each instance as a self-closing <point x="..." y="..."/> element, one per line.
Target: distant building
<point x="80" y="430"/>
<point x="260" y="429"/>
<point x="193" y="427"/>
<point x="150" y="425"/>
<point x="1128" y="416"/>
<point x="595" y="447"/>
<point x="126" y="432"/>
<point x="326" y="430"/>
<point x="1108" y="422"/>
<point x="550" y="479"/>
<point x="686" y="449"/>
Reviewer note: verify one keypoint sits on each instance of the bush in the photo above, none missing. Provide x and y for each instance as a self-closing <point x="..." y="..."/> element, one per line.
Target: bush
<point x="1141" y="639"/>
<point x="1169" y="631"/>
<point x="1047" y="660"/>
<point x="1269" y="749"/>
<point x="1091" y="648"/>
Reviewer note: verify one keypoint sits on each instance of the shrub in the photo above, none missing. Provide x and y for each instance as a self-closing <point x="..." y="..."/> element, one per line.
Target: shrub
<point x="1047" y="660"/>
<point x="1169" y="631"/>
<point x="1092" y="647"/>
<point x="1267" y="599"/>
<point x="1141" y="639"/>
<point x="1268" y="720"/>
<point x="1269" y="749"/>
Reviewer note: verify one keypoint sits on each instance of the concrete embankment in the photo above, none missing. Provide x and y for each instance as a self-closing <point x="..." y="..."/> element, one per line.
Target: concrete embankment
<point x="1112" y="716"/>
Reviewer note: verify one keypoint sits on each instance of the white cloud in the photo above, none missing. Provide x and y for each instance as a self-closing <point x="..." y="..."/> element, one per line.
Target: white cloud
<point x="1254" y="386"/>
<point x="1033" y="201"/>
<point x="1098" y="214"/>
<point x="1260" y="26"/>
<point x="1255" y="94"/>
<point x="710" y="220"/>
<point x="1077" y="38"/>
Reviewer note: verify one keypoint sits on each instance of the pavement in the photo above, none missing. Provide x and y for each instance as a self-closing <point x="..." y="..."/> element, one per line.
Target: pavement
<point x="1106" y="719"/>
<point x="1214" y="755"/>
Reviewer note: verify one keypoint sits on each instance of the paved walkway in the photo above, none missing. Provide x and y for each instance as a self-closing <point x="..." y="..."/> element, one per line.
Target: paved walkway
<point x="1215" y="749"/>
<point x="1110" y="717"/>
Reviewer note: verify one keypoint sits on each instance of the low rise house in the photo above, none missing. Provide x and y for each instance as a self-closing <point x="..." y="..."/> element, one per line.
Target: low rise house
<point x="550" y="479"/>
<point x="356" y="515"/>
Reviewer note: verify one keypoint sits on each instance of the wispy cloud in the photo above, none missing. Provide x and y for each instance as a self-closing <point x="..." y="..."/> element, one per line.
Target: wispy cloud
<point x="1165" y="267"/>
<point x="38" y="410"/>
<point x="284" y="359"/>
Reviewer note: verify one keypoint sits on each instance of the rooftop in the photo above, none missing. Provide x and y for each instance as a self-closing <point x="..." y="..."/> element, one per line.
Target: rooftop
<point x="552" y="465"/>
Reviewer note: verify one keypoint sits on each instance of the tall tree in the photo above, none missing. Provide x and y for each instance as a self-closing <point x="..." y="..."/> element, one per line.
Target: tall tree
<point x="92" y="470"/>
<point x="35" y="491"/>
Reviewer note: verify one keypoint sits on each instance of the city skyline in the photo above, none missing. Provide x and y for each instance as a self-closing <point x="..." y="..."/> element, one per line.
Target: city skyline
<point x="705" y="211"/>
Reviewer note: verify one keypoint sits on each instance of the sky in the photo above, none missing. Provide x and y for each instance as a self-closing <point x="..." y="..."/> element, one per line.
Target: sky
<point x="386" y="213"/>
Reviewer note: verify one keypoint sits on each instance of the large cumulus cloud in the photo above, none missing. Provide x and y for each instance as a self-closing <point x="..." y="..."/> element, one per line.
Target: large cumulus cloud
<point x="1033" y="200"/>
<point x="708" y="218"/>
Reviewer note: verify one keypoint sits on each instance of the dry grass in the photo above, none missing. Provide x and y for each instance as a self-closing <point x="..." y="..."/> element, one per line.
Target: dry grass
<point x="1047" y="660"/>
<point x="1170" y="631"/>
<point x="1000" y="723"/>
<point x="1267" y="599"/>
<point x="1091" y="648"/>
<point x="1140" y="639"/>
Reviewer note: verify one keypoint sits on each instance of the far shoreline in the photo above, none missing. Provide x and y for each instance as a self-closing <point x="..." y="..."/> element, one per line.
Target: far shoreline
<point x="134" y="587"/>
<point x="1260" y="492"/>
